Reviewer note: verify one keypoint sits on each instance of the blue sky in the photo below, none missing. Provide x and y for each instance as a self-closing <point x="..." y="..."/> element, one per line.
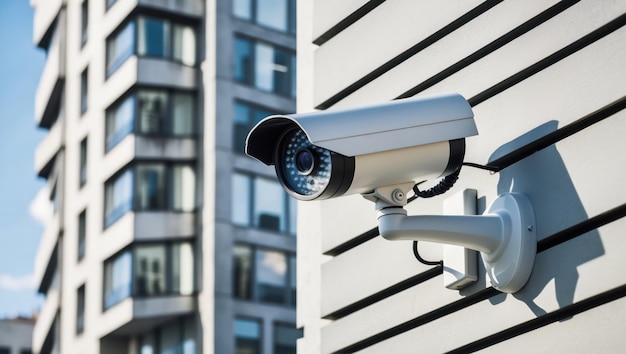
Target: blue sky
<point x="21" y="64"/>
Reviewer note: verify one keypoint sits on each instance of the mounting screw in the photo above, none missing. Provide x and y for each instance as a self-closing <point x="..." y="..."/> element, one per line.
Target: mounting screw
<point x="530" y="228"/>
<point x="397" y="195"/>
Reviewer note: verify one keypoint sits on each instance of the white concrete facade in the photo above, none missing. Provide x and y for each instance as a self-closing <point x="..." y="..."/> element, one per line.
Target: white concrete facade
<point x="84" y="240"/>
<point x="545" y="80"/>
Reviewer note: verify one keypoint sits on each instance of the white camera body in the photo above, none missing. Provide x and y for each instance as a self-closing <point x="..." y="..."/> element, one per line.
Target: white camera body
<point x="331" y="153"/>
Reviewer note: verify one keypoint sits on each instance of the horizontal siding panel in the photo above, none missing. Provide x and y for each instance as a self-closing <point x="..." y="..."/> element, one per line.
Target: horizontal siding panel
<point x="372" y="267"/>
<point x="557" y="281"/>
<point x="522" y="52"/>
<point x="387" y="31"/>
<point x="328" y="13"/>
<point x="600" y="329"/>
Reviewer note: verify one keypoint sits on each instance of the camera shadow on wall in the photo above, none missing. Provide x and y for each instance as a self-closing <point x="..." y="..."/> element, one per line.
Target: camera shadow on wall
<point x="544" y="178"/>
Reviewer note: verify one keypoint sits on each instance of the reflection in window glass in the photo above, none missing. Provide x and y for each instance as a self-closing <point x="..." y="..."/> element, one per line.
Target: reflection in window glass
<point x="147" y="343"/>
<point x="118" y="196"/>
<point x="247" y="336"/>
<point x="119" y="121"/>
<point x="152" y="37"/>
<point x="240" y="199"/>
<point x="183" y="188"/>
<point x="269" y="205"/>
<point x="271" y="276"/>
<point x="152" y="106"/>
<point x="242" y="9"/>
<point x="273" y="14"/>
<point x="170" y="339"/>
<point x="117" y="279"/>
<point x="182" y="268"/>
<point x="184" y="44"/>
<point x="150" y="186"/>
<point x="149" y="270"/>
<point x="183" y="107"/>
<point x="242" y="271"/>
<point x="120" y="47"/>
<point x="243" y="60"/>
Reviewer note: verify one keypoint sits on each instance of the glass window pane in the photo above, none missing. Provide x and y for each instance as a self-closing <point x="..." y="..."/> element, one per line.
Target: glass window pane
<point x="84" y="90"/>
<point x="189" y="336"/>
<point x="152" y="107"/>
<point x="285" y="338"/>
<point x="293" y="76"/>
<point x="83" y="162"/>
<point x="269" y="205"/>
<point x="240" y="199"/>
<point x="241" y="126"/>
<point x="150" y="186"/>
<point x="270" y="276"/>
<point x="117" y="279"/>
<point x="243" y="60"/>
<point x="242" y="9"/>
<point x="182" y="123"/>
<point x="184" y="44"/>
<point x="120" y="47"/>
<point x="184" y="188"/>
<point x="272" y="13"/>
<point x="80" y="309"/>
<point x="152" y="37"/>
<point x="118" y="196"/>
<point x="264" y="67"/>
<point x="281" y="68"/>
<point x="182" y="268"/>
<point x="170" y="338"/>
<point x="147" y="344"/>
<point x="150" y="270"/>
<point x="82" y="231"/>
<point x="247" y="336"/>
<point x="120" y="121"/>
<point x="242" y="272"/>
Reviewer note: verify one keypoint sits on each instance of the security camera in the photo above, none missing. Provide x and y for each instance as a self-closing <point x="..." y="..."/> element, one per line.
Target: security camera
<point x="332" y="153"/>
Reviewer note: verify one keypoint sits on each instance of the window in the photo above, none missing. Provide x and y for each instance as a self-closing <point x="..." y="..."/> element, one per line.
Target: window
<point x="279" y="15"/>
<point x="110" y="3"/>
<point x="80" y="309"/>
<point x="151" y="37"/>
<point x="265" y="67"/>
<point x="176" y="337"/>
<point x="83" y="162"/>
<point x="82" y="234"/>
<point x="84" y="90"/>
<point x="146" y="270"/>
<point x="84" y="25"/>
<point x="245" y="117"/>
<point x="264" y="275"/>
<point x="150" y="186"/>
<point x="247" y="336"/>
<point x="151" y="112"/>
<point x="285" y="337"/>
<point x="262" y="203"/>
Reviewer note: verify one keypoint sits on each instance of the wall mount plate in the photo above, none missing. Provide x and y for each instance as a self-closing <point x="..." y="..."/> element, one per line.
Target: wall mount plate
<point x="510" y="266"/>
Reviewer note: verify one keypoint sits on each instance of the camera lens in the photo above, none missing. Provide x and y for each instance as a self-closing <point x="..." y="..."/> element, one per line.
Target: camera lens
<point x="305" y="161"/>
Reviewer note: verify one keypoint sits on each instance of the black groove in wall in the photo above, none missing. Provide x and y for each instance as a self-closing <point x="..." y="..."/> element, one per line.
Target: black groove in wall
<point x="385" y="293"/>
<point x="397" y="60"/>
<point x="560" y="314"/>
<point x="491" y="47"/>
<point x="544" y="244"/>
<point x="354" y="242"/>
<point x="559" y="134"/>
<point x="557" y="56"/>
<point x="348" y="21"/>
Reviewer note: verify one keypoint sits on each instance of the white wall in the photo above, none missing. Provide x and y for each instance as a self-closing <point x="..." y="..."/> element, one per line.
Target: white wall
<point x="535" y="72"/>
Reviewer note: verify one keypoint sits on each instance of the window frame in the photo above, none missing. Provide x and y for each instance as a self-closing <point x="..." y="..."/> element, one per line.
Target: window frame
<point x="80" y="309"/>
<point x="287" y="325"/>
<point x="168" y="245"/>
<point x="169" y="166"/>
<point x="258" y="321"/>
<point x="251" y="212"/>
<point x="167" y="130"/>
<point x="251" y="66"/>
<point x="291" y="20"/>
<point x="290" y="299"/>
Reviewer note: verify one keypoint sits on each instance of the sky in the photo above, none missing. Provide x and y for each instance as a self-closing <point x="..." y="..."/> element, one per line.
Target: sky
<point x="21" y="65"/>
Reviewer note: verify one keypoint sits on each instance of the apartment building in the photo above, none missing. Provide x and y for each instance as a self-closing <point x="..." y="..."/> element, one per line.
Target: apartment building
<point x="165" y="238"/>
<point x="16" y="335"/>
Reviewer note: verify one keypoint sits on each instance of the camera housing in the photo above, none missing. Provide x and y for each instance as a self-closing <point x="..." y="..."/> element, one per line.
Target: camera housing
<point x="331" y="153"/>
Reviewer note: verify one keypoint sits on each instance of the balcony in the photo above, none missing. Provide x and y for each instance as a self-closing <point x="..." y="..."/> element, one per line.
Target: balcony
<point x="46" y="319"/>
<point x="135" y="316"/>
<point x="45" y="263"/>
<point x="50" y="89"/>
<point x="46" y="152"/>
<point x="45" y="13"/>
<point x="122" y="8"/>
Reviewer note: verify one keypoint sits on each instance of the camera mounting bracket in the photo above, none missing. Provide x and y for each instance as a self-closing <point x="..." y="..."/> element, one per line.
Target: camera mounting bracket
<point x="504" y="235"/>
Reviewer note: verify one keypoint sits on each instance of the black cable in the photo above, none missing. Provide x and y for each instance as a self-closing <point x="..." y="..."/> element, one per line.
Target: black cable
<point x="482" y="167"/>
<point x="416" y="253"/>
